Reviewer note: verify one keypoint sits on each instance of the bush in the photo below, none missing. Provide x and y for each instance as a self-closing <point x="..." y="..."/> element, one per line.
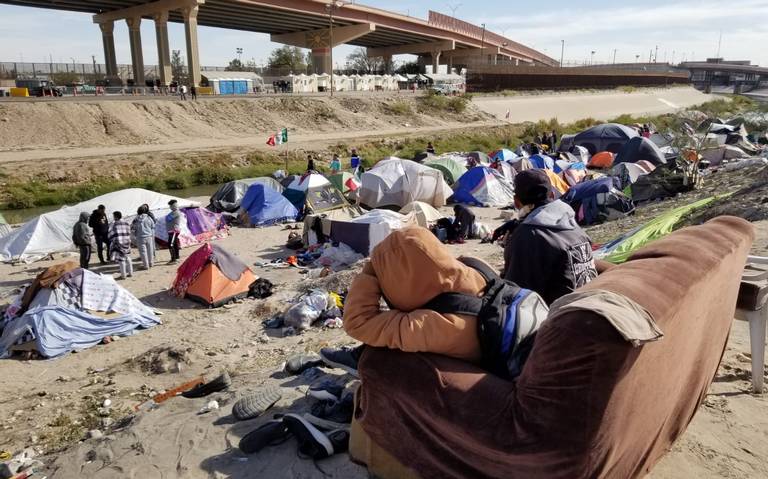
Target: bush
<point x="627" y="89"/>
<point x="177" y="182"/>
<point x="399" y="108"/>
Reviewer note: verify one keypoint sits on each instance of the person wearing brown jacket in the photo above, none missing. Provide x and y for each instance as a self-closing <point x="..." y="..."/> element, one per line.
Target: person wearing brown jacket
<point x="408" y="269"/>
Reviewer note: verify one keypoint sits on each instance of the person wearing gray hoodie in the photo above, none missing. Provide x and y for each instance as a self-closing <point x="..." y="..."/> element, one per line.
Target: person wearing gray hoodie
<point x="143" y="230"/>
<point x="81" y="236"/>
<point x="547" y="252"/>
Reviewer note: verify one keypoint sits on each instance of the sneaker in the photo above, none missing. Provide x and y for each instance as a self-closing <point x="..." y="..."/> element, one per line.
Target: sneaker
<point x="326" y="391"/>
<point x="268" y="434"/>
<point x="325" y="424"/>
<point x="336" y="411"/>
<point x="300" y="363"/>
<point x="312" y="442"/>
<point x="256" y="404"/>
<point x="345" y="358"/>
<point x="217" y="384"/>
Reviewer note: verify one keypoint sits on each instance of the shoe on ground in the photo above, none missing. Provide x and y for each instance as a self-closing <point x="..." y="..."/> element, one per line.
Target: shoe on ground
<point x="326" y="391"/>
<point x="268" y="434"/>
<point x="325" y="424"/>
<point x="337" y="411"/>
<point x="300" y="363"/>
<point x="256" y="404"/>
<point x="345" y="358"/>
<point x="313" y="442"/>
<point x="219" y="383"/>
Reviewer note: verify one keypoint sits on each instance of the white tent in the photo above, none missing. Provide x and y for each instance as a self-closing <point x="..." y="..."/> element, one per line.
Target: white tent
<point x="52" y="232"/>
<point x="303" y="183"/>
<point x="424" y="214"/>
<point x="716" y="155"/>
<point x="396" y="182"/>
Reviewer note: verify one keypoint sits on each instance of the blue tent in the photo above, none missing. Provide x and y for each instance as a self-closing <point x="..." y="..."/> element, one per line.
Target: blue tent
<point x="263" y="206"/>
<point x="598" y="200"/>
<point x="483" y="186"/>
<point x="542" y="162"/>
<point x="504" y="155"/>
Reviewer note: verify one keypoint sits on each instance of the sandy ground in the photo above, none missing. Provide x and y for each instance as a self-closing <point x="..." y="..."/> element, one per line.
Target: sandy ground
<point x="40" y="399"/>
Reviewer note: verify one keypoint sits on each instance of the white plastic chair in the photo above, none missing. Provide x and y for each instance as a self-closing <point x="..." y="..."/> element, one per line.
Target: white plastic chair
<point x="757" y="317"/>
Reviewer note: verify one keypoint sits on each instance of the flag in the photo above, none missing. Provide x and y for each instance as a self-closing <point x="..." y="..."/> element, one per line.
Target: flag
<point x="271" y="140"/>
<point x="278" y="138"/>
<point x="284" y="135"/>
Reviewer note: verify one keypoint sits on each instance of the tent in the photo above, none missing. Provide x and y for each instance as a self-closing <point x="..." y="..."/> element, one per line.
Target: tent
<point x="483" y="186"/>
<point x="229" y="195"/>
<point x="574" y="173"/>
<point x="345" y="182"/>
<point x="604" y="159"/>
<point x="52" y="232"/>
<point x="478" y="157"/>
<point x="212" y="276"/>
<point x="396" y="182"/>
<point x="503" y="155"/>
<point x="559" y="186"/>
<point x="198" y="225"/>
<point x="606" y="137"/>
<point x="424" y="157"/>
<point x="312" y="192"/>
<point x="640" y="148"/>
<point x="263" y="206"/>
<point x="598" y="200"/>
<point x="717" y="155"/>
<point x="662" y="139"/>
<point x="67" y="309"/>
<point x="424" y="214"/>
<point x="5" y="228"/>
<point x="566" y="142"/>
<point x="542" y="162"/>
<point x="628" y="173"/>
<point x="450" y="167"/>
<point x="581" y="153"/>
<point x="363" y="233"/>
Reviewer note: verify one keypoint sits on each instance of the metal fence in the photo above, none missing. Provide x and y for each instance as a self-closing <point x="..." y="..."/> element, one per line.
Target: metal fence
<point x="82" y="72"/>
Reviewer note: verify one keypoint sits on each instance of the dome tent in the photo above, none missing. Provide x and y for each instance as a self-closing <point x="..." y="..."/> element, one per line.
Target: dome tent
<point x="229" y="195"/>
<point x="595" y="201"/>
<point x="604" y="159"/>
<point x="396" y="182"/>
<point x="449" y="167"/>
<point x="605" y="137"/>
<point x="345" y="182"/>
<point x="483" y="186"/>
<point x="503" y="155"/>
<point x="638" y="149"/>
<point x="263" y="206"/>
<point x="424" y="214"/>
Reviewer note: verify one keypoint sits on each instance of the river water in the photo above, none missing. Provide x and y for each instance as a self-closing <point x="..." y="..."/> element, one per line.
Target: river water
<point x="24" y="215"/>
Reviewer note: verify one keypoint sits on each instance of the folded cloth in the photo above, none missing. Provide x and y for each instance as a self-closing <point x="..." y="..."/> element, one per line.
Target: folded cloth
<point x="633" y="322"/>
<point x="230" y="265"/>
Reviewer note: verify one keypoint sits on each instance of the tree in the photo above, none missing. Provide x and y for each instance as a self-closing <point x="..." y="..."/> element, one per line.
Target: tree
<point x="360" y="61"/>
<point x="235" y="66"/>
<point x="65" y="78"/>
<point x="408" y="68"/>
<point x="288" y="57"/>
<point x="178" y="69"/>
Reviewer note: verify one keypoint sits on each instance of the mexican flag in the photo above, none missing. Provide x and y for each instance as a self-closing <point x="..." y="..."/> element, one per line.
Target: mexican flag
<point x="278" y="138"/>
<point x="271" y="141"/>
<point x="284" y="135"/>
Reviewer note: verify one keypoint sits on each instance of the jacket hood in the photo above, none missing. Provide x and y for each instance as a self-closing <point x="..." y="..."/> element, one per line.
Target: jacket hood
<point x="556" y="215"/>
<point x="84" y="217"/>
<point x="413" y="267"/>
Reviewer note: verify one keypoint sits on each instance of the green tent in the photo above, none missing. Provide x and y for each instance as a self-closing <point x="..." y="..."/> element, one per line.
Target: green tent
<point x="343" y="180"/>
<point x="451" y="169"/>
<point x="619" y="250"/>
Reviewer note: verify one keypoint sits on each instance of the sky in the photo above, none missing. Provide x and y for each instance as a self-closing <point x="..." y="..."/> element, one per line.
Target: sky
<point x="682" y="30"/>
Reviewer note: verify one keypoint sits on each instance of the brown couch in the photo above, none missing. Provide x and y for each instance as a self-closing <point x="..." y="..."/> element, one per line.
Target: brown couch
<point x="588" y="403"/>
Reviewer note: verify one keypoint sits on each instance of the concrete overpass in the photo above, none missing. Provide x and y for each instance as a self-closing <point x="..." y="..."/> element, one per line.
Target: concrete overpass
<point x="317" y="25"/>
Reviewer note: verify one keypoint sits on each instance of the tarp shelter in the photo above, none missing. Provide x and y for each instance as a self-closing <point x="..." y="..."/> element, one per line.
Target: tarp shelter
<point x="396" y="182"/>
<point x="503" y="155"/>
<point x="198" y="225"/>
<point x="229" y="195"/>
<point x="582" y="153"/>
<point x="263" y="206"/>
<point x="628" y="173"/>
<point x="212" y="276"/>
<point x="605" y="137"/>
<point x="542" y="162"/>
<point x="595" y="201"/>
<point x="483" y="186"/>
<point x="312" y="192"/>
<point x="67" y="309"/>
<point x="620" y="249"/>
<point x="566" y="142"/>
<point x="451" y="168"/>
<point x="363" y="233"/>
<point x="638" y="149"/>
<point x="604" y="159"/>
<point x="52" y="232"/>
<point x="424" y="214"/>
<point x="717" y="155"/>
<point x="345" y="182"/>
<point x="5" y="228"/>
<point x="232" y="83"/>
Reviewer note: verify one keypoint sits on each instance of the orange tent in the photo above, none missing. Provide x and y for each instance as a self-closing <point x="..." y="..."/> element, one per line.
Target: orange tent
<point x="558" y="184"/>
<point x="604" y="159"/>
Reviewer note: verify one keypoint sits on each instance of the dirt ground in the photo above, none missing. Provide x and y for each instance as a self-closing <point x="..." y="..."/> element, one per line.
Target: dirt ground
<point x="50" y="404"/>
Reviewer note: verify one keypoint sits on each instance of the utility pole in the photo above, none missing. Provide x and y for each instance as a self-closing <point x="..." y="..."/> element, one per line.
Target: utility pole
<point x="719" y="44"/>
<point x="592" y="58"/>
<point x="93" y="57"/>
<point x="453" y="7"/>
<point x="482" y="46"/>
<point x="562" y="52"/>
<point x="239" y="54"/>
<point x="637" y="58"/>
<point x="614" y="56"/>
<point x="656" y="55"/>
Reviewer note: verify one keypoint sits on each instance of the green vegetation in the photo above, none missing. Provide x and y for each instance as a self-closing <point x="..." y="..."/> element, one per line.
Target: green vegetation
<point x="627" y="89"/>
<point x="399" y="107"/>
<point x="435" y="101"/>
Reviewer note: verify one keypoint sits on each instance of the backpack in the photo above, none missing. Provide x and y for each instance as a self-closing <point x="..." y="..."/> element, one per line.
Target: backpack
<point x="508" y="318"/>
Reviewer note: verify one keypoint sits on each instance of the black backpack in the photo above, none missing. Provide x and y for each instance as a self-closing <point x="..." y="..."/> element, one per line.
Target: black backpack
<point x="508" y="317"/>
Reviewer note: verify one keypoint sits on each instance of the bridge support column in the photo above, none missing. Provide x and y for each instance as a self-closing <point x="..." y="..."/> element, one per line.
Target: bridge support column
<point x="321" y="60"/>
<point x="319" y="41"/>
<point x="163" y="48"/>
<point x="108" y="38"/>
<point x="436" y="60"/>
<point x="137" y="57"/>
<point x="193" y="52"/>
<point x="388" y="70"/>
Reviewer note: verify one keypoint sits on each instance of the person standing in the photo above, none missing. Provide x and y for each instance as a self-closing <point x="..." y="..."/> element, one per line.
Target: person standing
<point x="310" y="164"/>
<point x="553" y="141"/>
<point x="173" y="226"/>
<point x="463" y="223"/>
<point x="354" y="160"/>
<point x="193" y="92"/>
<point x="99" y="223"/>
<point x="430" y="148"/>
<point x="335" y="164"/>
<point x="81" y="236"/>
<point x="183" y="92"/>
<point x="544" y="139"/>
<point x="120" y="244"/>
<point x="143" y="229"/>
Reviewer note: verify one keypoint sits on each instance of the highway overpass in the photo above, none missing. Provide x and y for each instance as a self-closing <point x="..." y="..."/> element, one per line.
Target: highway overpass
<point x="317" y="25"/>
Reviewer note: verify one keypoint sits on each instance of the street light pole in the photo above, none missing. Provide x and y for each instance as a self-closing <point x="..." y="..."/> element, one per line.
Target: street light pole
<point x="614" y="56"/>
<point x="330" y="7"/>
<point x="562" y="52"/>
<point x="592" y="59"/>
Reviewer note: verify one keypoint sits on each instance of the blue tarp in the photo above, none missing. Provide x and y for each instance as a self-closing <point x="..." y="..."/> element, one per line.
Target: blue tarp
<point x="265" y="206"/>
<point x="483" y="186"/>
<point x="542" y="162"/>
<point x="596" y="199"/>
<point x="588" y="189"/>
<point x="60" y="330"/>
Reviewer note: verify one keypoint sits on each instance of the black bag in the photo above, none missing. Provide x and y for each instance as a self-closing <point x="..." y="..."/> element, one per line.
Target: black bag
<point x="508" y="317"/>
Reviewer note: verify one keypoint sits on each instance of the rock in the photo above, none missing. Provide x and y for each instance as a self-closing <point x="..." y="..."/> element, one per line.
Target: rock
<point x="106" y="422"/>
<point x="95" y="434"/>
<point x="210" y="353"/>
<point x="103" y="411"/>
<point x="42" y="393"/>
<point x="176" y="368"/>
<point x="63" y="379"/>
<point x="107" y="403"/>
<point x="263" y="339"/>
<point x="211" y="406"/>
